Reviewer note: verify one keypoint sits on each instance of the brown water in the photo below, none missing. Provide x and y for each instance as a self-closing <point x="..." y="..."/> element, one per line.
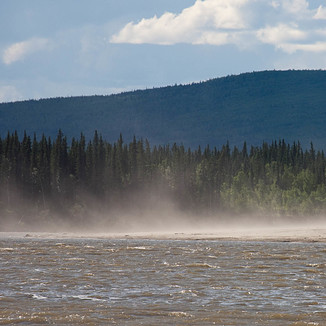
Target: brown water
<point x="161" y="282"/>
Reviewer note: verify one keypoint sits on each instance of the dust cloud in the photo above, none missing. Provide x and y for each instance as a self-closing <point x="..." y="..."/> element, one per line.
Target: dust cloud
<point x="156" y="216"/>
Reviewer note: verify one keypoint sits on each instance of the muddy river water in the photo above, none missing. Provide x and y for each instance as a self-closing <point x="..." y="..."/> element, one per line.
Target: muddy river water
<point x="161" y="282"/>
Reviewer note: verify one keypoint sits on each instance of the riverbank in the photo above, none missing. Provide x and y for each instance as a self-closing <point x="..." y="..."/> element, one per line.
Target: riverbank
<point x="283" y="234"/>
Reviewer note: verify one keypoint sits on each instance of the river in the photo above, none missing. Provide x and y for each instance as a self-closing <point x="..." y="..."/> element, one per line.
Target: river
<point x="86" y="281"/>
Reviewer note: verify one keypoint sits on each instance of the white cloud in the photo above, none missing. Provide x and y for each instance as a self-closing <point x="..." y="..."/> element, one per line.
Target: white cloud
<point x="214" y="38"/>
<point x="321" y="13"/>
<point x="279" y="34"/>
<point x="297" y="7"/>
<point x="18" y="51"/>
<point x="290" y="39"/>
<point x="310" y="47"/>
<point x="9" y="93"/>
<point x="275" y="4"/>
<point x="206" y="21"/>
<point x="289" y="25"/>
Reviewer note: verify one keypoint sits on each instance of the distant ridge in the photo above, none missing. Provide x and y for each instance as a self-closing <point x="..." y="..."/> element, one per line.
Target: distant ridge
<point x="252" y="107"/>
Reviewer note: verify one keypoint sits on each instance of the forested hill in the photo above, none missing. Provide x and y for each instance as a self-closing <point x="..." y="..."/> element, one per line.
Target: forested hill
<point x="252" y="107"/>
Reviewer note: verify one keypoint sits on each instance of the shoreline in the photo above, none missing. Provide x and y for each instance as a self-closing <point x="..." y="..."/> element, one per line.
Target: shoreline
<point x="279" y="234"/>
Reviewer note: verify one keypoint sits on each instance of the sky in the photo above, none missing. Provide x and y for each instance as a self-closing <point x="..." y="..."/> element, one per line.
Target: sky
<point x="51" y="48"/>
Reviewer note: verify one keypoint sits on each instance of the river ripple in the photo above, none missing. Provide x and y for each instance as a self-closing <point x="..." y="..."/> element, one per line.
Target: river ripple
<point x="161" y="282"/>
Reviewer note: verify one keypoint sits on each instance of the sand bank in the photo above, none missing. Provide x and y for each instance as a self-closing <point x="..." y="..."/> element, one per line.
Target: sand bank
<point x="282" y="234"/>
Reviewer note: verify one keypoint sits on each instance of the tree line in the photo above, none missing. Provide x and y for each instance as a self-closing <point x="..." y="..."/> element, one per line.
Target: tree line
<point x="48" y="175"/>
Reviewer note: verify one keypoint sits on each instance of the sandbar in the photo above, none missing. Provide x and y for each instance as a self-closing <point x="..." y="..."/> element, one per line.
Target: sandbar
<point x="275" y="234"/>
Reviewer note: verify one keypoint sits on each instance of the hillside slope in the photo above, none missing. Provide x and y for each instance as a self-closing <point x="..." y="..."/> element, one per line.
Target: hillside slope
<point x="252" y="107"/>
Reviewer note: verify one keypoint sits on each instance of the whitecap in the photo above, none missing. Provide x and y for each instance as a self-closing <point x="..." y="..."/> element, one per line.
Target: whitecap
<point x="36" y="296"/>
<point x="6" y="249"/>
<point x="139" y="248"/>
<point x="87" y="297"/>
<point x="179" y="314"/>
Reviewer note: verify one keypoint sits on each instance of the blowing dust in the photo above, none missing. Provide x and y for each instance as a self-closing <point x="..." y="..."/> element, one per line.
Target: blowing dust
<point x="156" y="216"/>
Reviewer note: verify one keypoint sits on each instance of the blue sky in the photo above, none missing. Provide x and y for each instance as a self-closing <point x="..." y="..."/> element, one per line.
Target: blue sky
<point x="52" y="48"/>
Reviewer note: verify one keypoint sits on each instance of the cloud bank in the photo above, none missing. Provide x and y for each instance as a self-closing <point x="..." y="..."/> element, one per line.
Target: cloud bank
<point x="18" y="51"/>
<point x="207" y="21"/>
<point x="288" y="25"/>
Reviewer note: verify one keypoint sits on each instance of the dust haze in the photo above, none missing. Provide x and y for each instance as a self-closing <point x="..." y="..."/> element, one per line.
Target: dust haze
<point x="156" y="215"/>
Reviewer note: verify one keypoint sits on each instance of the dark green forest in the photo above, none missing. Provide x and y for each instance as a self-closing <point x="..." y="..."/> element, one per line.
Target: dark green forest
<point x="41" y="178"/>
<point x="257" y="107"/>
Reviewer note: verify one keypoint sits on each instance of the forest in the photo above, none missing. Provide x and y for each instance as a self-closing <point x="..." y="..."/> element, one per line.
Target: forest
<point x="256" y="107"/>
<point x="41" y="178"/>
